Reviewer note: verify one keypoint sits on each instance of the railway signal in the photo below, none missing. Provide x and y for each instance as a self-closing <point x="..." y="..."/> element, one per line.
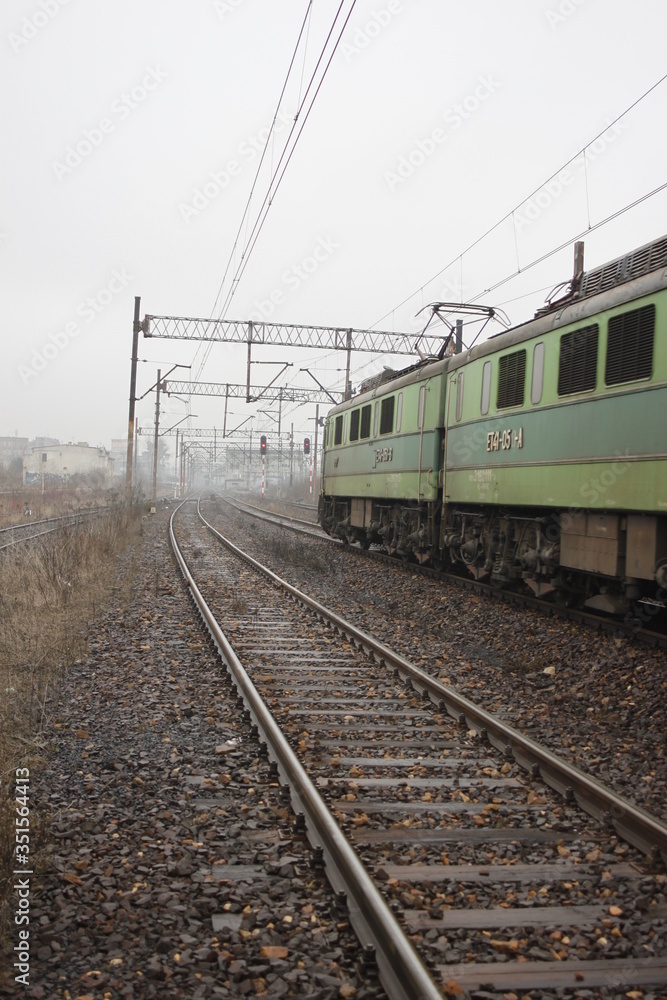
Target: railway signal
<point x="306" y="446"/>
<point x="262" y="444"/>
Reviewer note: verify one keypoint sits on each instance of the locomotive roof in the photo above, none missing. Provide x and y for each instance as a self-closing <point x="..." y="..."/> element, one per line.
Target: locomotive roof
<point x="574" y="311"/>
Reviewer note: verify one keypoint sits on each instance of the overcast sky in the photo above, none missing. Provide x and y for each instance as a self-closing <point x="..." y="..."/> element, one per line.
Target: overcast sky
<point x="132" y="136"/>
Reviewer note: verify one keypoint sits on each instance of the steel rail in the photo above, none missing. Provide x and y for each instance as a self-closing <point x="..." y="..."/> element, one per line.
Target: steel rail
<point x="612" y="625"/>
<point x="400" y="969"/>
<point x="631" y="822"/>
<point x="283" y="521"/>
<point x="62" y="521"/>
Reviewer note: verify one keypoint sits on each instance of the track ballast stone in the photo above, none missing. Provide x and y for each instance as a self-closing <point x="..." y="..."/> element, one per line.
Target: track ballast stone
<point x="173" y="867"/>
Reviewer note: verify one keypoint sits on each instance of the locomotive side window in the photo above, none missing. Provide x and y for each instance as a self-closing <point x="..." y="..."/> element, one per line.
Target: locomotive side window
<point x="459" y="396"/>
<point x="422" y="407"/>
<point x="537" y="380"/>
<point x="338" y="430"/>
<point x="577" y="367"/>
<point x="366" y="421"/>
<point x="387" y="415"/>
<point x="375" y="419"/>
<point x="630" y="346"/>
<point x="511" y="379"/>
<point x="354" y="425"/>
<point x="486" y="388"/>
<point x="399" y="411"/>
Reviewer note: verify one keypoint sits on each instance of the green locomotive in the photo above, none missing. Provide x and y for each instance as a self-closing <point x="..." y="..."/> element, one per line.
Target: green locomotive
<point x="537" y="458"/>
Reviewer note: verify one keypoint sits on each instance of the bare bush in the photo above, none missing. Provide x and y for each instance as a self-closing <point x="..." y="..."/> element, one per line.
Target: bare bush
<point x="51" y="591"/>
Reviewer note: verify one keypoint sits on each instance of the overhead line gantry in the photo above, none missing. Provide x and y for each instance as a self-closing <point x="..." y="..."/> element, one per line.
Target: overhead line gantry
<point x="327" y="338"/>
<point x="251" y="394"/>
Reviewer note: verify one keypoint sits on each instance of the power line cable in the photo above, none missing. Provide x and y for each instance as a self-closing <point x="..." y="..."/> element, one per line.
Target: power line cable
<point x="278" y="173"/>
<point x="246" y="210"/>
<point x="509" y="214"/>
<point x="550" y="253"/>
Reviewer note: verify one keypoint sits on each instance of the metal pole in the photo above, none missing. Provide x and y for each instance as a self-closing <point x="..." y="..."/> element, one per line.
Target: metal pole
<point x="157" y="426"/>
<point x="249" y="361"/>
<point x="348" y="388"/>
<point x="317" y="424"/>
<point x="136" y="326"/>
<point x="176" y="459"/>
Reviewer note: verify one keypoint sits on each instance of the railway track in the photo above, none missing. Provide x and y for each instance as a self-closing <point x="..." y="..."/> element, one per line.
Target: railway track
<point x="15" y="534"/>
<point x="460" y="867"/>
<point x="636" y="624"/>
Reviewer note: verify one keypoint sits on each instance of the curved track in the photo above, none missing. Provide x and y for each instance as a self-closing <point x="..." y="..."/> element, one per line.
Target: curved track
<point x="17" y="533"/>
<point x="410" y="771"/>
<point x="631" y="625"/>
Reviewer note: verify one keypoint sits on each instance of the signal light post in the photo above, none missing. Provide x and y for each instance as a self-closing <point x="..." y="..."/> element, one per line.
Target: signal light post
<point x="306" y="451"/>
<point x="262" y="448"/>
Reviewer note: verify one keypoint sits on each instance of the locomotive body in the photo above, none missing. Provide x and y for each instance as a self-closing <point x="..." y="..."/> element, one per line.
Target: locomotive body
<point x="538" y="457"/>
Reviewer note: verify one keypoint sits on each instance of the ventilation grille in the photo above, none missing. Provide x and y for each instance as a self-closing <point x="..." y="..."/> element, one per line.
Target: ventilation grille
<point x="387" y="415"/>
<point x="577" y="367"/>
<point x="630" y="346"/>
<point x="375" y="380"/>
<point x="511" y="379"/>
<point x="651" y="257"/>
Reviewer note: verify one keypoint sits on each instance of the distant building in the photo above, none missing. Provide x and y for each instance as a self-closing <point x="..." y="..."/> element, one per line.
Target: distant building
<point x="11" y="448"/>
<point x="41" y="442"/>
<point x="119" y="455"/>
<point x="61" y="462"/>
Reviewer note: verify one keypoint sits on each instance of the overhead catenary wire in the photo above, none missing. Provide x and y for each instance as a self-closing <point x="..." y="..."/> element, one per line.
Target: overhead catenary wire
<point x="279" y="173"/>
<point x="246" y="210"/>
<point x="512" y="211"/>
<point x="251" y="241"/>
<point x="550" y="253"/>
<point x="578" y="236"/>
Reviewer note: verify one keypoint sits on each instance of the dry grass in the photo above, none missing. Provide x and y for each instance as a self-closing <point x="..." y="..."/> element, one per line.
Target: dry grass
<point x="51" y="592"/>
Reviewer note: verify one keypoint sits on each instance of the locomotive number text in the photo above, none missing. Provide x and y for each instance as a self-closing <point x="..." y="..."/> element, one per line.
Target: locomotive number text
<point x="503" y="440"/>
<point x="384" y="454"/>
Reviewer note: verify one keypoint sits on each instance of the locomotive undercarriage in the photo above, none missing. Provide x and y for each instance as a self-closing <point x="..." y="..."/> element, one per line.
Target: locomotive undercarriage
<point x="509" y="550"/>
<point x="406" y="530"/>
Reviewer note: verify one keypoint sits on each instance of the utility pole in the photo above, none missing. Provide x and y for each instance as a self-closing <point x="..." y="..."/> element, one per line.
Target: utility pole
<point x="157" y="427"/>
<point x="136" y="327"/>
<point x="291" y="454"/>
<point x="317" y="424"/>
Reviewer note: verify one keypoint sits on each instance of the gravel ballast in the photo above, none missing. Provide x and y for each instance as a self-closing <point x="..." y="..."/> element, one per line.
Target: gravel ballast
<point x="598" y="700"/>
<point x="172" y="869"/>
